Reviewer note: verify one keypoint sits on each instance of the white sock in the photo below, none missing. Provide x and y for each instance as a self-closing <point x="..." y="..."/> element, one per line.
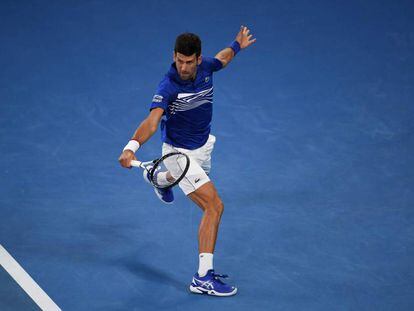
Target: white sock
<point x="205" y="263"/>
<point x="162" y="179"/>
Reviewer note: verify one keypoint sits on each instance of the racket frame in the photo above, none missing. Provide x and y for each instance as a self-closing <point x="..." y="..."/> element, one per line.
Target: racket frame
<point x="154" y="163"/>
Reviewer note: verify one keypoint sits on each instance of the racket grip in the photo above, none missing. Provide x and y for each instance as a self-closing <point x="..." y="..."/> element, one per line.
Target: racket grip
<point x="136" y="163"/>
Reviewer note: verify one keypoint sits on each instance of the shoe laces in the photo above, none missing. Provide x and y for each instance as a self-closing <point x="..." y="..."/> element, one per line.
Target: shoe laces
<point x="218" y="277"/>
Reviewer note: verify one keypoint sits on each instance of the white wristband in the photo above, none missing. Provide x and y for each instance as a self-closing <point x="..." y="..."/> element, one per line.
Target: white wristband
<point x="132" y="145"/>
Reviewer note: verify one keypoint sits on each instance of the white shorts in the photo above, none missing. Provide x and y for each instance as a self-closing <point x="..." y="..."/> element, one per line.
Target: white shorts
<point x="200" y="164"/>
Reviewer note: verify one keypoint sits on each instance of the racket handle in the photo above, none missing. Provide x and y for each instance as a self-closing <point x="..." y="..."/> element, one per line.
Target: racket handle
<point x="136" y="163"/>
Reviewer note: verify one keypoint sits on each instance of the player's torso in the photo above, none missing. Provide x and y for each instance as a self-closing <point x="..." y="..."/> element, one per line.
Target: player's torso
<point x="190" y="110"/>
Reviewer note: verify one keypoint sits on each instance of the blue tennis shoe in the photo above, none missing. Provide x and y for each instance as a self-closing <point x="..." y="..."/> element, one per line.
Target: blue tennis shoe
<point x="211" y="284"/>
<point x="166" y="195"/>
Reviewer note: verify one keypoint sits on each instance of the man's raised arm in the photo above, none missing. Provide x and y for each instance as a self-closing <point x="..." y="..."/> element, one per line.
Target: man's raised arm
<point x="242" y="41"/>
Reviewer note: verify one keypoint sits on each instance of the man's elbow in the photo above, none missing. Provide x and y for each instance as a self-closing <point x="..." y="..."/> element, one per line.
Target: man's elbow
<point x="154" y="119"/>
<point x="153" y="128"/>
<point x="224" y="61"/>
<point x="152" y="125"/>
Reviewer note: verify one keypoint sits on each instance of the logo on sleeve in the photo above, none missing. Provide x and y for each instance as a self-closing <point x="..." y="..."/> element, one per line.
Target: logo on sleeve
<point x="157" y="98"/>
<point x="207" y="79"/>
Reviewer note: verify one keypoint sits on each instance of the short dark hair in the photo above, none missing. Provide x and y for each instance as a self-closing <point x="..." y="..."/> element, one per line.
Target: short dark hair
<point x="188" y="43"/>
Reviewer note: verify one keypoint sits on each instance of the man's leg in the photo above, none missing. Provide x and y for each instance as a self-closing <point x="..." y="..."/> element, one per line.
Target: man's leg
<point x="207" y="198"/>
<point x="206" y="281"/>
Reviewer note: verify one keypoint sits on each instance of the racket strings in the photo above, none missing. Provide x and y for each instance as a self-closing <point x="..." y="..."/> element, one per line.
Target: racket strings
<point x="169" y="170"/>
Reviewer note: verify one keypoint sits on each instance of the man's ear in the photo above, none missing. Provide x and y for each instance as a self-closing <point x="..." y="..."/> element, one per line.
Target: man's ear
<point x="174" y="56"/>
<point x="199" y="60"/>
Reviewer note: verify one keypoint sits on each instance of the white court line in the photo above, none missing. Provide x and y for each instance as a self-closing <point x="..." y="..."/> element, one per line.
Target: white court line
<point x="26" y="282"/>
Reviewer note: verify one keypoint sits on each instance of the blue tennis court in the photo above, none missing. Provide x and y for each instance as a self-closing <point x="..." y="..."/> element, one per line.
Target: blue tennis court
<point x="313" y="159"/>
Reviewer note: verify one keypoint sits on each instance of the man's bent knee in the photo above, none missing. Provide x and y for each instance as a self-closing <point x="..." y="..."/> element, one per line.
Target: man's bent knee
<point x="215" y="207"/>
<point x="208" y="199"/>
<point x="220" y="206"/>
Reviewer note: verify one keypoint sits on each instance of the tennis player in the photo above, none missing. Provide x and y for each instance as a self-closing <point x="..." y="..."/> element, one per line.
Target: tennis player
<point x="183" y="104"/>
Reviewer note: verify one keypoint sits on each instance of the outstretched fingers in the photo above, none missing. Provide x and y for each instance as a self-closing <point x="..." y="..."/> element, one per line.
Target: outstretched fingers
<point x="245" y="37"/>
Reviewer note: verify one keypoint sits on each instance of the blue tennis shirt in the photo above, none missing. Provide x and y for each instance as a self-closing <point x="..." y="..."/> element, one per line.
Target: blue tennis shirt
<point x="187" y="104"/>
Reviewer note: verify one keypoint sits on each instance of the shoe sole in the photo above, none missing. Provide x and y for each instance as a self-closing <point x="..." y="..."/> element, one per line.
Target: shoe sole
<point x="212" y="292"/>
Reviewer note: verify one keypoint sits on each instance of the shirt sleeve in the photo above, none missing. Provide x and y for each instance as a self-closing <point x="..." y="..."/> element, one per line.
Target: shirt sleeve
<point x="162" y="96"/>
<point x="212" y="63"/>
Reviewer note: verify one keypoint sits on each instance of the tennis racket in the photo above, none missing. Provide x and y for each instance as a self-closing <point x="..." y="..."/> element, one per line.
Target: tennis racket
<point x="165" y="172"/>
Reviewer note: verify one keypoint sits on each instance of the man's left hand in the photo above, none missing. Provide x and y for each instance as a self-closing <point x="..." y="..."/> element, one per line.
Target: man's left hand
<point x="244" y="38"/>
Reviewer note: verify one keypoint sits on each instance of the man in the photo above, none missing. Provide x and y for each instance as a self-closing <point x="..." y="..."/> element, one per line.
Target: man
<point x="183" y="104"/>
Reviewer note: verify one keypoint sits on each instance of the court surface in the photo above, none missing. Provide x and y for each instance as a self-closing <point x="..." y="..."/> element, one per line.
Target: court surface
<point x="313" y="160"/>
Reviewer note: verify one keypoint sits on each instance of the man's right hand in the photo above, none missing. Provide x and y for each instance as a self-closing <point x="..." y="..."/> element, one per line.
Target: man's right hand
<point x="126" y="157"/>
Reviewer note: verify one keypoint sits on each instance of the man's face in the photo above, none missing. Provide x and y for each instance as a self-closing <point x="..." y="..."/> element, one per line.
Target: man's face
<point x="186" y="65"/>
